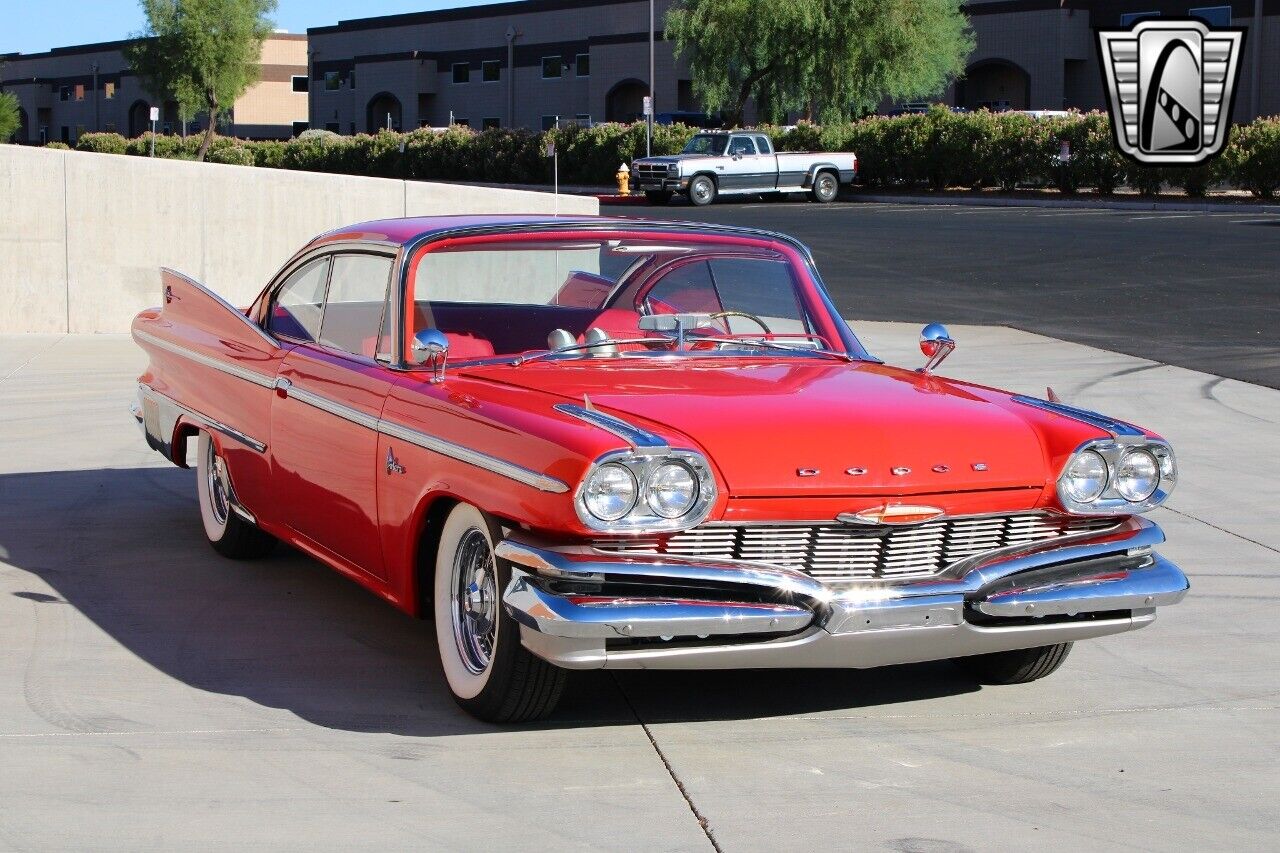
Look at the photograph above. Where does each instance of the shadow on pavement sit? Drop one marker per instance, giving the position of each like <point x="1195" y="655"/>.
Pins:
<point x="125" y="548"/>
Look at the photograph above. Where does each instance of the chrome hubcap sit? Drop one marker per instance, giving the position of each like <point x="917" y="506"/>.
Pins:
<point x="701" y="190"/>
<point x="219" y="487"/>
<point x="475" y="601"/>
<point x="826" y="186"/>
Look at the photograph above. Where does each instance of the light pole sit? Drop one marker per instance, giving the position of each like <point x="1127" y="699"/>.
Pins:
<point x="512" y="33"/>
<point x="97" y="110"/>
<point x="648" y="120"/>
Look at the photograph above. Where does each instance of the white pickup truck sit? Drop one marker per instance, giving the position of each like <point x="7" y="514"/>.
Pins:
<point x="741" y="163"/>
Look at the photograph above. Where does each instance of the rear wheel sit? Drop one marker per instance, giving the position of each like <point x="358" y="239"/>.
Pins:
<point x="230" y="534"/>
<point x="1016" y="667"/>
<point x="702" y="191"/>
<point x="658" y="196"/>
<point x="825" y="187"/>
<point x="490" y="675"/>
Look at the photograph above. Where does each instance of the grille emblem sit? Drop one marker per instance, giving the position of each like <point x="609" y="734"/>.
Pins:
<point x="892" y="514"/>
<point x="979" y="466"/>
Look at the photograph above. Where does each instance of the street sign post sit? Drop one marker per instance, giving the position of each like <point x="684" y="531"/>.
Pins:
<point x="155" y="117"/>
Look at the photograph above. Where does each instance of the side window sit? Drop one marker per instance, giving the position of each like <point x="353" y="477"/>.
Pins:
<point x="355" y="312"/>
<point x="763" y="143"/>
<point x="687" y="289"/>
<point x="762" y="288"/>
<point x="742" y="145"/>
<point x="299" y="302"/>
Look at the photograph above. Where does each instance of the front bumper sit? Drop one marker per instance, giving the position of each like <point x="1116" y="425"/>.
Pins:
<point x="666" y="183"/>
<point x="581" y="608"/>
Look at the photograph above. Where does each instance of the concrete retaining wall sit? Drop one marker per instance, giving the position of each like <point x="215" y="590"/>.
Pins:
<point x="82" y="236"/>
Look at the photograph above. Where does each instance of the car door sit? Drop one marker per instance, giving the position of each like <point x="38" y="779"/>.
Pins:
<point x="329" y="395"/>
<point x="742" y="168"/>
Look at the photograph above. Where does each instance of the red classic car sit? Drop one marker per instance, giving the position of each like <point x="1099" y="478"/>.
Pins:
<point x="585" y="442"/>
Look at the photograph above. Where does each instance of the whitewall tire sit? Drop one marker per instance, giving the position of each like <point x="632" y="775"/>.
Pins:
<point x="490" y="674"/>
<point x="230" y="534"/>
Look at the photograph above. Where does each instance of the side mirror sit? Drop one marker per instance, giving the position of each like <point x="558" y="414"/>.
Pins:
<point x="936" y="344"/>
<point x="431" y="347"/>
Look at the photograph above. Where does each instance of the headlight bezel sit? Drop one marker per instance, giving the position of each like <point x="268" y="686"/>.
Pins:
<point x="641" y="517"/>
<point x="1113" y="452"/>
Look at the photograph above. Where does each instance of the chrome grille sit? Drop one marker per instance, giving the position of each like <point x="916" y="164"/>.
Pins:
<point x="650" y="170"/>
<point x="839" y="552"/>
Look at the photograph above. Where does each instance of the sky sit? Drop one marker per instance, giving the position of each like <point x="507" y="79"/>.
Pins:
<point x="33" y="26"/>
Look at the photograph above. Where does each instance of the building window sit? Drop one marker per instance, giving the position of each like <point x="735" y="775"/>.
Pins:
<point x="332" y="81"/>
<point x="583" y="65"/>
<point x="1216" y="16"/>
<point x="491" y="71"/>
<point x="64" y="93"/>
<point x="66" y="134"/>
<point x="299" y="127"/>
<point x="462" y="122"/>
<point x="1133" y="17"/>
<point x="111" y="127"/>
<point x="462" y="72"/>
<point x="79" y="91"/>
<point x="108" y="90"/>
<point x="549" y="122"/>
<point x="490" y="124"/>
<point x="333" y="127"/>
<point x="301" y="83"/>
<point x="551" y="68"/>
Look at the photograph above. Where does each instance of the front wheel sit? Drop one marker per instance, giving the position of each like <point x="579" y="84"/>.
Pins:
<point x="702" y="191"/>
<point x="825" y="188"/>
<point x="491" y="676"/>
<point x="229" y="533"/>
<point x="1016" y="667"/>
<point x="658" y="196"/>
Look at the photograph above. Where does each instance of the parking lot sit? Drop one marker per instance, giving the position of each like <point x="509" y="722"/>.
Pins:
<point x="154" y="696"/>
<point x="1199" y="290"/>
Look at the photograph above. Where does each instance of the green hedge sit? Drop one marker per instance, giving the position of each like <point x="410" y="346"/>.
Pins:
<point x="937" y="150"/>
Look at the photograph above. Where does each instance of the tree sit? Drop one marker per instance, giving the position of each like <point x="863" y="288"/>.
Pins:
<point x="828" y="58"/>
<point x="202" y="53"/>
<point x="8" y="115"/>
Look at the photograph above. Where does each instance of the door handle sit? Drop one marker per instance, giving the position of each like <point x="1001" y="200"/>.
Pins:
<point x="283" y="386"/>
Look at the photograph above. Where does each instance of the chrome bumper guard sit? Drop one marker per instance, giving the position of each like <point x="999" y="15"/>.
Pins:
<point x="574" y="604"/>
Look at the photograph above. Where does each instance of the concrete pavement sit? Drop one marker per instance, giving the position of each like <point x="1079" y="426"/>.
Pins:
<point x="154" y="696"/>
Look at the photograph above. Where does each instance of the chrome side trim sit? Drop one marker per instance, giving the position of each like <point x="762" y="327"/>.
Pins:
<point x="1119" y="430"/>
<point x="208" y="361"/>
<point x="633" y="435"/>
<point x="324" y="404"/>
<point x="501" y="467"/>
<point x="208" y="422"/>
<point x="620" y="616"/>
<point x="422" y="439"/>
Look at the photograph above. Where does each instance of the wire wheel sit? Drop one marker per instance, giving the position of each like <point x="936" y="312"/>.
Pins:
<point x="475" y="601"/>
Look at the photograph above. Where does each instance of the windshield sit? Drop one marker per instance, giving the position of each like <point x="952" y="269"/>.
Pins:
<point x="506" y="298"/>
<point x="706" y="143"/>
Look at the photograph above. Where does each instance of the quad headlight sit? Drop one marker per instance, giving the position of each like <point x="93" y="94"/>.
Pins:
<point x="1110" y="478"/>
<point x="629" y="491"/>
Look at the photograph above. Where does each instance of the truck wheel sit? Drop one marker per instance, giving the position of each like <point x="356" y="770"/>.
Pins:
<point x="491" y="676"/>
<point x="702" y="191"/>
<point x="230" y="534"/>
<point x="825" y="188"/>
<point x="1016" y="667"/>
<point x="658" y="196"/>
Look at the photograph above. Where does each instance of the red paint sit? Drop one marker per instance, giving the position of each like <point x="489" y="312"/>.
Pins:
<point x="322" y="484"/>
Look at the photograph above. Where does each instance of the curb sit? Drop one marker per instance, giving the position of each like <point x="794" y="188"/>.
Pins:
<point x="1094" y="203"/>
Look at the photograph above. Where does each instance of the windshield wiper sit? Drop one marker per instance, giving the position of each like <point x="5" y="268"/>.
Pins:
<point x="843" y="356"/>
<point x="538" y="356"/>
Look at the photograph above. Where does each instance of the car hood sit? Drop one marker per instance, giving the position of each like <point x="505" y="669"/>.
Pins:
<point x="670" y="158"/>
<point x="811" y="427"/>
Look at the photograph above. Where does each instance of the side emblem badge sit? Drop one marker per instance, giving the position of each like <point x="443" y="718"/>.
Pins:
<point x="393" y="464"/>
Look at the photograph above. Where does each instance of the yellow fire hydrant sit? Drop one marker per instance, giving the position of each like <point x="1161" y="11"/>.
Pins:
<point x="624" y="180"/>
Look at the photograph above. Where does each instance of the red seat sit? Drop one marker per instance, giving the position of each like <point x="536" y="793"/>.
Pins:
<point x="463" y="346"/>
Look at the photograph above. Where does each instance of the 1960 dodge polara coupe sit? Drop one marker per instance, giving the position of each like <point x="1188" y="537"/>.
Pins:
<point x="591" y="442"/>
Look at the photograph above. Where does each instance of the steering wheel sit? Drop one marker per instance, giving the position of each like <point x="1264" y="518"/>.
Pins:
<point x="720" y="315"/>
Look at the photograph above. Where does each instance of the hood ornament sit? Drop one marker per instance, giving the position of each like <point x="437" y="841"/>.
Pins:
<point x="892" y="514"/>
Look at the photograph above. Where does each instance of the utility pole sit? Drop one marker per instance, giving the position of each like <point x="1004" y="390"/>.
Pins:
<point x="1255" y="83"/>
<point x="648" y="120"/>
<point x="97" y="108"/>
